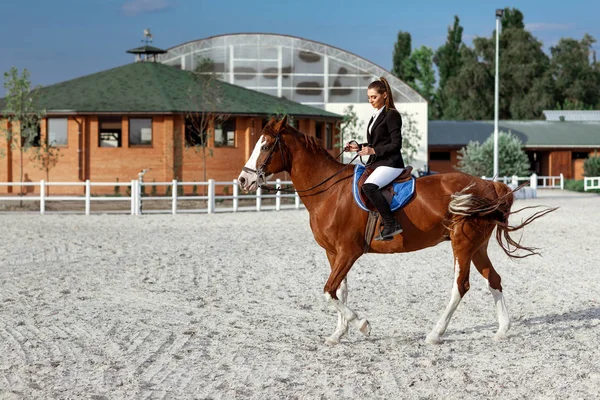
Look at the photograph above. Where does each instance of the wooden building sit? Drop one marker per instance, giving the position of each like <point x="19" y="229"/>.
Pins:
<point x="553" y="147"/>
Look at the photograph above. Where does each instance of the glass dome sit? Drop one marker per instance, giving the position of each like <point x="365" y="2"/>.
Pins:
<point x="301" y="70"/>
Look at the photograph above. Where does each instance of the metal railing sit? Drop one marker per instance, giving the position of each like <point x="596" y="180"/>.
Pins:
<point x="136" y="197"/>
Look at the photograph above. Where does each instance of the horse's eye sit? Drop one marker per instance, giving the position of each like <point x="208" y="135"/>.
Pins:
<point x="264" y="148"/>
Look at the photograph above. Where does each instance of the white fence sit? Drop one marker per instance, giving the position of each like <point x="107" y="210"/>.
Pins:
<point x="535" y="181"/>
<point x="590" y="183"/>
<point x="136" y="197"/>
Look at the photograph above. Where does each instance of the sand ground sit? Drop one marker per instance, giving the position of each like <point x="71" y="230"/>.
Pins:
<point x="230" y="306"/>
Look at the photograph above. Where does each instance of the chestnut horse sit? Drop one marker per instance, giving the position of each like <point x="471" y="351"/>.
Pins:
<point x="454" y="206"/>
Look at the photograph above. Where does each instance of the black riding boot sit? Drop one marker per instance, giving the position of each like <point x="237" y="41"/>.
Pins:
<point x="391" y="225"/>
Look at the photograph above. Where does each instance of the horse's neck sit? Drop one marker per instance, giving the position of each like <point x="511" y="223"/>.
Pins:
<point x="310" y="169"/>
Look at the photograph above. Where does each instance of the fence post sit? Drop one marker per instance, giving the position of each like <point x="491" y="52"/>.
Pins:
<point x="562" y="181"/>
<point x="258" y="198"/>
<point x="87" y="196"/>
<point x="132" y="195"/>
<point x="533" y="181"/>
<point x="278" y="195"/>
<point x="42" y="197"/>
<point x="236" y="191"/>
<point x="211" y="196"/>
<point x="483" y="177"/>
<point x="297" y="200"/>
<point x="515" y="180"/>
<point x="174" y="197"/>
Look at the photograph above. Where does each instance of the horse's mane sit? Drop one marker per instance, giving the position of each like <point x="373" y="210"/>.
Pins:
<point x="311" y="143"/>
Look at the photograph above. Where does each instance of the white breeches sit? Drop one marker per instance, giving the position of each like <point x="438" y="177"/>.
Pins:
<point x="384" y="175"/>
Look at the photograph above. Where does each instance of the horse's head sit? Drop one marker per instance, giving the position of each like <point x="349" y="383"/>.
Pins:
<point x="267" y="158"/>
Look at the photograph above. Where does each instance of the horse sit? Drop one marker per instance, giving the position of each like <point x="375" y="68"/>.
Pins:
<point x="455" y="207"/>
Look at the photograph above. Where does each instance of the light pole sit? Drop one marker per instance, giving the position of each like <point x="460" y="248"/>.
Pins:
<point x="499" y="13"/>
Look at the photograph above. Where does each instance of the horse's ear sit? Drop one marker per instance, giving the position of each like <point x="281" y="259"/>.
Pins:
<point x="281" y="124"/>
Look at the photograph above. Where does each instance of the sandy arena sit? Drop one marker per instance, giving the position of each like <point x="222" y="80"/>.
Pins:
<point x="230" y="306"/>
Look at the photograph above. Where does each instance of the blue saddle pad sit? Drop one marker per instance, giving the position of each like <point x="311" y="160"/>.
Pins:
<point x="402" y="191"/>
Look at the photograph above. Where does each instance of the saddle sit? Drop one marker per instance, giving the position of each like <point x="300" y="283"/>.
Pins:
<point x="388" y="190"/>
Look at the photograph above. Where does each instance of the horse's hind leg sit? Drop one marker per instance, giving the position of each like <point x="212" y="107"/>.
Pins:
<point x="459" y="288"/>
<point x="484" y="266"/>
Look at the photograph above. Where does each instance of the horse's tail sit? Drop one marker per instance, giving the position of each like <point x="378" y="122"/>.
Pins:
<point x="494" y="209"/>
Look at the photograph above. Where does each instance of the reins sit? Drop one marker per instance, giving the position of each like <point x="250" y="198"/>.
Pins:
<point x="279" y="189"/>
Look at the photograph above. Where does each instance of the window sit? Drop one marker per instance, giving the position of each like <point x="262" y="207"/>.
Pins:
<point x="109" y="132"/>
<point x="140" y="131"/>
<point x="193" y="136"/>
<point x="439" y="156"/>
<point x="225" y="133"/>
<point x="328" y="136"/>
<point x="578" y="155"/>
<point x="57" y="131"/>
<point x="35" y="139"/>
<point x="319" y="130"/>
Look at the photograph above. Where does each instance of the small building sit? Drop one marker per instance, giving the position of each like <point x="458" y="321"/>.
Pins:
<point x="112" y="124"/>
<point x="553" y="147"/>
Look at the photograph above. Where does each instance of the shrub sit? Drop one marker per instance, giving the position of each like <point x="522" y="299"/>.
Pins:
<point x="591" y="166"/>
<point x="478" y="159"/>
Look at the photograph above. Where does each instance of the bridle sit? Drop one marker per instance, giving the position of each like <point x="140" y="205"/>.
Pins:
<point x="260" y="172"/>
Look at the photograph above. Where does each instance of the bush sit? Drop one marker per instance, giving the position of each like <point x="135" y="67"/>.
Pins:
<point x="478" y="159"/>
<point x="577" y="186"/>
<point x="591" y="166"/>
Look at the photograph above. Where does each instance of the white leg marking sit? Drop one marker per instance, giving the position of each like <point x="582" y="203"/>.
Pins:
<point x="361" y="324"/>
<point x="442" y="324"/>
<point x="503" y="318"/>
<point x="342" y="324"/>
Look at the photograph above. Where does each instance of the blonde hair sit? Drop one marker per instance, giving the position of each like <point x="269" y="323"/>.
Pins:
<point x="382" y="86"/>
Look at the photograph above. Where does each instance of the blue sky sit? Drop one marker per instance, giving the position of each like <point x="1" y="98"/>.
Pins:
<point x="64" y="39"/>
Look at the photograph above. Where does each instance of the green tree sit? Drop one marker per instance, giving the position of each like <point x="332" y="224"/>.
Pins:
<point x="577" y="77"/>
<point x="45" y="157"/>
<point x="522" y="63"/>
<point x="448" y="59"/>
<point x="349" y="127"/>
<point x="403" y="66"/>
<point x="478" y="159"/>
<point x="424" y="75"/>
<point x="591" y="166"/>
<point x="21" y="113"/>
<point x="411" y="137"/>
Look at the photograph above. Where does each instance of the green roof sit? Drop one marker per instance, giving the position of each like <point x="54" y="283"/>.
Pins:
<point x="532" y="133"/>
<point x="150" y="87"/>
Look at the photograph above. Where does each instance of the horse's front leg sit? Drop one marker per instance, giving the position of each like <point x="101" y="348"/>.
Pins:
<point x="342" y="324"/>
<point x="335" y="287"/>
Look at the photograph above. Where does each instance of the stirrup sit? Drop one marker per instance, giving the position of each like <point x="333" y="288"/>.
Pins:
<point x="398" y="229"/>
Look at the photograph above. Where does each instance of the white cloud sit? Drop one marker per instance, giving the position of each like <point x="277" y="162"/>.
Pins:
<point x="546" y="26"/>
<point x="135" y="7"/>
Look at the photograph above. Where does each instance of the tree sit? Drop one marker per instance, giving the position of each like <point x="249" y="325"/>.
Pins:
<point x="349" y="127"/>
<point x="591" y="166"/>
<point x="424" y="76"/>
<point x="522" y="63"/>
<point x="447" y="58"/>
<point x="577" y="77"/>
<point x="206" y="99"/>
<point x="402" y="65"/>
<point x="45" y="157"/>
<point x="23" y="117"/>
<point x="411" y="137"/>
<point x="478" y="159"/>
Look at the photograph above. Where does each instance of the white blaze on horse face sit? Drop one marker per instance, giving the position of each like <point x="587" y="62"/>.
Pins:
<point x="248" y="180"/>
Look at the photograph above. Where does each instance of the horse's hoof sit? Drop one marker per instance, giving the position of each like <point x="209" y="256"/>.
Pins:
<point x="499" y="336"/>
<point x="433" y="338"/>
<point x="332" y="340"/>
<point x="364" y="327"/>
